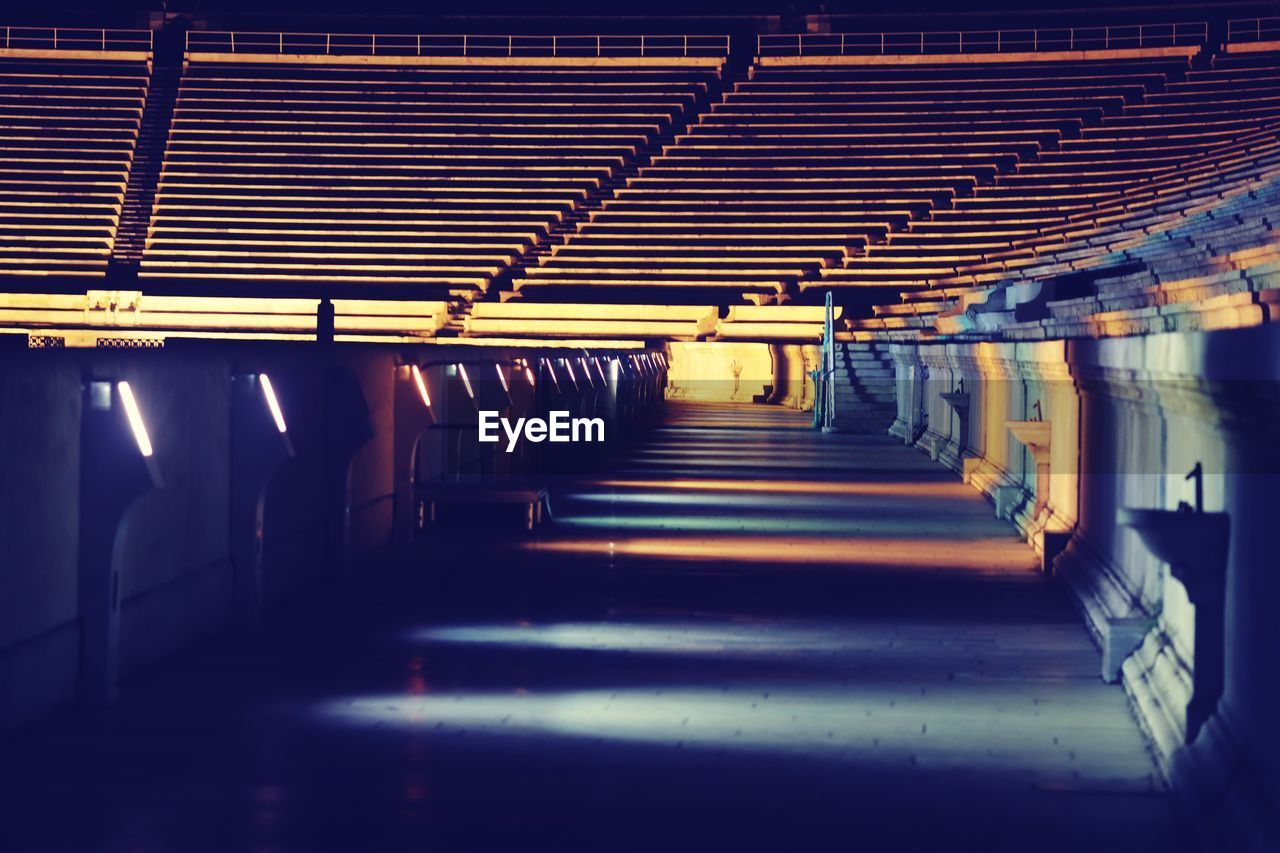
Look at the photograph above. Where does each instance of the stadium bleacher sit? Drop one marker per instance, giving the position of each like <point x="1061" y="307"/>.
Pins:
<point x="801" y="165"/>
<point x="1199" y="139"/>
<point x="433" y="175"/>
<point x="68" y="127"/>
<point x="641" y="197"/>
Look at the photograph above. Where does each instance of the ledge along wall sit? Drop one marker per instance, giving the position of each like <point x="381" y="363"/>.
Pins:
<point x="1130" y="418"/>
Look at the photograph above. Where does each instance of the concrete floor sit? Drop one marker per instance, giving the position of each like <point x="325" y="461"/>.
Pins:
<point x="747" y="634"/>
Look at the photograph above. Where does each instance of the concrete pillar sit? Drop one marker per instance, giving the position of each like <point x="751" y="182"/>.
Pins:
<point x="117" y="467"/>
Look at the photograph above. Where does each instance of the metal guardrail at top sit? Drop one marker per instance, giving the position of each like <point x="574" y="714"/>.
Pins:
<point x="368" y="44"/>
<point x="1253" y="29"/>
<point x="983" y="41"/>
<point x="70" y="38"/>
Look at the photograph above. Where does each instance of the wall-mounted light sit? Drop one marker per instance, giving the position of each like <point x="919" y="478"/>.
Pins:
<point x="419" y="381"/>
<point x="466" y="380"/>
<point x="502" y="378"/>
<point x="596" y="361"/>
<point x="135" y="418"/>
<point x="569" y="369"/>
<point x="551" y="371"/>
<point x="272" y="403"/>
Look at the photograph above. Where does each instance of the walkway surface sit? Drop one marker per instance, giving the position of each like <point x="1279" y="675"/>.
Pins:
<point x="746" y="635"/>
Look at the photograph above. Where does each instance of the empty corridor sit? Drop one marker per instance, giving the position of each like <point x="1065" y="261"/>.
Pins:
<point x="746" y="633"/>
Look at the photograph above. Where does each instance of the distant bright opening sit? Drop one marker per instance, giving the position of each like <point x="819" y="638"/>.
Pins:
<point x="135" y="418"/>
<point x="272" y="403"/>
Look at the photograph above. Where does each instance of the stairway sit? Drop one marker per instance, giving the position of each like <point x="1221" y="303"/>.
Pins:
<point x="736" y="68"/>
<point x="148" y="156"/>
<point x="866" y="393"/>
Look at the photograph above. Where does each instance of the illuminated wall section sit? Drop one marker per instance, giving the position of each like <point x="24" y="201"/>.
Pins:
<point x="724" y="372"/>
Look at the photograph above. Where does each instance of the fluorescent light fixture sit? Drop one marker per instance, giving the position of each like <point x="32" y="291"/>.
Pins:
<point x="596" y="361"/>
<point x="422" y="385"/>
<point x="528" y="374"/>
<point x="135" y="418"/>
<point x="569" y="367"/>
<point x="551" y="371"/>
<point x="272" y="403"/>
<point x="502" y="378"/>
<point x="466" y="380"/>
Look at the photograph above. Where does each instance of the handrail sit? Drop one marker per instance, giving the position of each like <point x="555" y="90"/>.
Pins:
<point x="76" y="38"/>
<point x="983" y="41"/>
<point x="1253" y="29"/>
<point x="382" y="44"/>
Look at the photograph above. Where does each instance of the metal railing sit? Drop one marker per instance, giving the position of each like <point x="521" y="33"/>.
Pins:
<point x="372" y="44"/>
<point x="1253" y="29"/>
<point x="73" y="38"/>
<point x="984" y="41"/>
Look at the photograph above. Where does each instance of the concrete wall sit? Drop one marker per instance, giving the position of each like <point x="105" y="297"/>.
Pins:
<point x="1130" y="417"/>
<point x="176" y="576"/>
<point x="324" y="509"/>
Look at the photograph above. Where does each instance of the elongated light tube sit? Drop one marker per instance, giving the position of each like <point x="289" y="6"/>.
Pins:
<point x="135" y="418"/>
<point x="272" y="403"/>
<point x="422" y="386"/>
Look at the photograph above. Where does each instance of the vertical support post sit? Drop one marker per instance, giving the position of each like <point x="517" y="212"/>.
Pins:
<point x="325" y="321"/>
<point x="258" y="448"/>
<point x="412" y="417"/>
<point x="116" y="469"/>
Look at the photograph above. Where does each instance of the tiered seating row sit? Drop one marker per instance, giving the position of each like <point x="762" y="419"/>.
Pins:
<point x="673" y="322"/>
<point x="1066" y="195"/>
<point x="67" y="133"/>
<point x="433" y="175"/>
<point x="111" y="312"/>
<point x="800" y="167"/>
